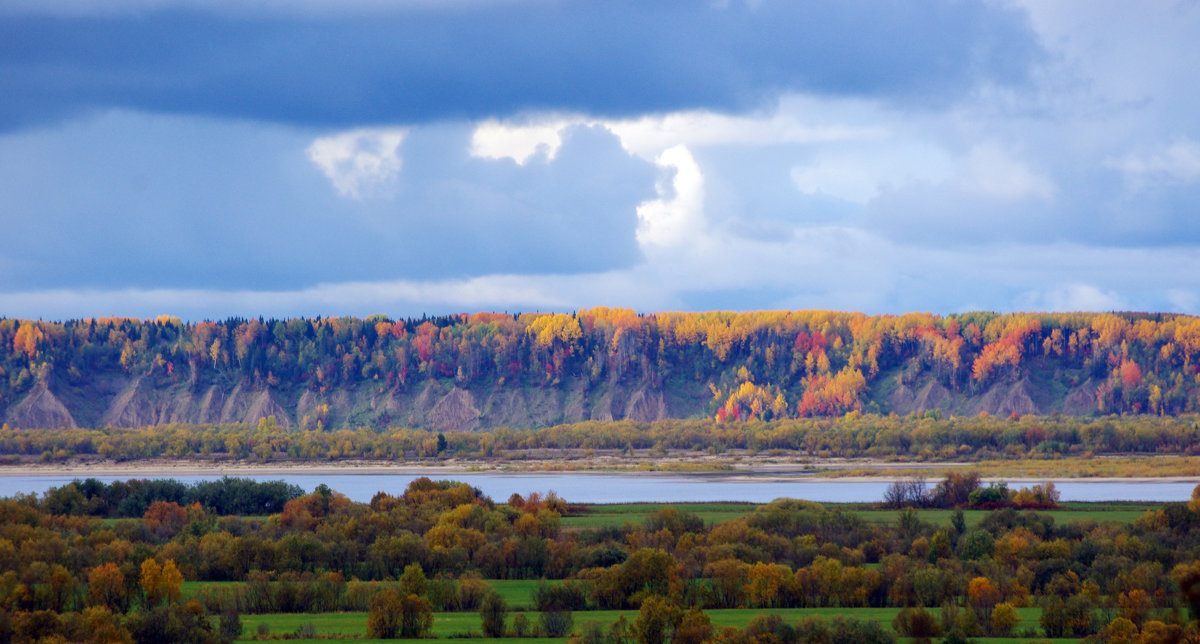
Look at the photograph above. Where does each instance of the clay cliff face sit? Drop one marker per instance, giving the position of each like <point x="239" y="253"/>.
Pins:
<point x="432" y="405"/>
<point x="1022" y="398"/>
<point x="40" y="409"/>
<point x="439" y="405"/>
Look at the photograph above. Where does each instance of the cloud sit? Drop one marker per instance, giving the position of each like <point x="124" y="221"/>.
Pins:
<point x="103" y="203"/>
<point x="678" y="212"/>
<point x="316" y="8"/>
<point x="829" y="267"/>
<point x="494" y="139"/>
<point x="858" y="174"/>
<point x="1181" y="299"/>
<point x="990" y="196"/>
<point x="401" y="297"/>
<point x="992" y="172"/>
<point x="422" y="62"/>
<point x="359" y="161"/>
<point x="1176" y="163"/>
<point x="1074" y="297"/>
<point x="419" y="156"/>
<point x="794" y="120"/>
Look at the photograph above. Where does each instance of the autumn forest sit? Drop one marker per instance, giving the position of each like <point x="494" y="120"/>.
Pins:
<point x="489" y="370"/>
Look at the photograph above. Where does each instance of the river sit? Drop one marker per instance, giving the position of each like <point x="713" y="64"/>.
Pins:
<point x="579" y="487"/>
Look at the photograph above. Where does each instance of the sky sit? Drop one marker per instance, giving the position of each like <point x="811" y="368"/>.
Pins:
<point x="216" y="158"/>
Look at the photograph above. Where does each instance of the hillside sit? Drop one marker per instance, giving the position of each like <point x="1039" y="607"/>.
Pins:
<point x="470" y="372"/>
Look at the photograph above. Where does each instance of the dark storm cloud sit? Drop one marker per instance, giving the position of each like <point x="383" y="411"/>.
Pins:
<point x="104" y="204"/>
<point x="445" y="61"/>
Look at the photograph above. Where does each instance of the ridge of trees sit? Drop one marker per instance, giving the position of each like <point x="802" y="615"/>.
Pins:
<point x="759" y="365"/>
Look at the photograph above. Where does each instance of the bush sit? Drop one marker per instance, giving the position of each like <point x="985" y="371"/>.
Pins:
<point x="383" y="618"/>
<point x="173" y="623"/>
<point x="656" y="619"/>
<point x="231" y="623"/>
<point x="442" y="594"/>
<point x="393" y="615"/>
<point x="493" y="613"/>
<point x="845" y="630"/>
<point x="413" y="580"/>
<point x="1004" y="620"/>
<point x="520" y="625"/>
<point x="694" y="627"/>
<point x="955" y="489"/>
<point x="471" y="591"/>
<point x="917" y="623"/>
<point x="994" y="495"/>
<point x="561" y="596"/>
<point x="771" y="628"/>
<point x="590" y="633"/>
<point x="556" y="623"/>
<point x="907" y="493"/>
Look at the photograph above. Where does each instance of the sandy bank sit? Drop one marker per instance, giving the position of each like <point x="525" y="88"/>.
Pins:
<point x="760" y="472"/>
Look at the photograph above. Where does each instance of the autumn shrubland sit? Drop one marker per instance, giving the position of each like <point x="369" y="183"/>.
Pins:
<point x="436" y="558"/>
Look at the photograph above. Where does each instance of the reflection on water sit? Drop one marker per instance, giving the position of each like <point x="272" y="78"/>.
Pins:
<point x="629" y="488"/>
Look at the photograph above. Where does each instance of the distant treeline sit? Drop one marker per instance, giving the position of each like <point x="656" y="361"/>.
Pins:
<point x="926" y="437"/>
<point x="227" y="496"/>
<point x="759" y="365"/>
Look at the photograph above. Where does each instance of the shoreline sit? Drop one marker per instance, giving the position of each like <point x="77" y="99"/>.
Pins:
<point x="829" y="472"/>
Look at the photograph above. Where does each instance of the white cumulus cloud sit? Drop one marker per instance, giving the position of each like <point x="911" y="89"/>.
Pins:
<point x="494" y="139"/>
<point x="361" y="162"/>
<point x="668" y="220"/>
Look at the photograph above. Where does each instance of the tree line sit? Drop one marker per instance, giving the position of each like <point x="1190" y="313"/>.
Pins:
<point x="759" y="365"/>
<point x="919" y="437"/>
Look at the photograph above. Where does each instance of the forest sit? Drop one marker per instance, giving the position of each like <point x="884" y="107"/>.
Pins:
<point x="161" y="561"/>
<point x="524" y="371"/>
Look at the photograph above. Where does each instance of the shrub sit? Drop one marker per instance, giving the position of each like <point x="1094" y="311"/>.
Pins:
<point x="393" y="615"/>
<point x="1004" y="620"/>
<point x="917" y="623"/>
<point x="230" y="625"/>
<point x="493" y="613"/>
<point x="520" y="625"/>
<point x="907" y="493"/>
<point x="561" y="596"/>
<point x="556" y="623"/>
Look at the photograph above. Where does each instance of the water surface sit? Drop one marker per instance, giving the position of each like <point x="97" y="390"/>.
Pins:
<point x="632" y="487"/>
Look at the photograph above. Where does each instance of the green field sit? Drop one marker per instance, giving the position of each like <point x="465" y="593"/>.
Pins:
<point x="449" y="625"/>
<point x="517" y="592"/>
<point x="617" y="515"/>
<point x="1098" y="512"/>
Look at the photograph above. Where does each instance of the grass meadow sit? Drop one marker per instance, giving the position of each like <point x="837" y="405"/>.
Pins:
<point x="617" y="515"/>
<point x="461" y="625"/>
